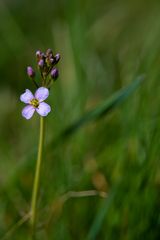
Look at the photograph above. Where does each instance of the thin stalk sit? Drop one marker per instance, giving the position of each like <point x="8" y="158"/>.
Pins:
<point x="10" y="232"/>
<point x="37" y="178"/>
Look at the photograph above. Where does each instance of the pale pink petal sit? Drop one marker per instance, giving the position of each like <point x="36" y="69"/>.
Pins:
<point x="41" y="94"/>
<point x="43" y="109"/>
<point x="27" y="96"/>
<point x="28" y="111"/>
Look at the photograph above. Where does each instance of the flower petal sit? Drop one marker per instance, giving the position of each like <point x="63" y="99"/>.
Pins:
<point x="27" y="96"/>
<point x="41" y="94"/>
<point x="28" y="111"/>
<point x="43" y="109"/>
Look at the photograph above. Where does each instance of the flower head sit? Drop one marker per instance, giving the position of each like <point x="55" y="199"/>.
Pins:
<point x="35" y="102"/>
<point x="46" y="62"/>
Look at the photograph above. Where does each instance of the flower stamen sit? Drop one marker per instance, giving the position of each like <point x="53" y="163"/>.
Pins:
<point x="34" y="102"/>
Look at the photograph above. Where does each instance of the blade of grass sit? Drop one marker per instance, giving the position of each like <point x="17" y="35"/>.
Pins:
<point x="103" y="109"/>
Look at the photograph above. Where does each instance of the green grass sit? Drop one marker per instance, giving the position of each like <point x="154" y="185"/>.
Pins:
<point x="98" y="136"/>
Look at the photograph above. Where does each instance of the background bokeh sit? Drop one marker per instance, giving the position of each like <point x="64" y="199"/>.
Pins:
<point x="104" y="46"/>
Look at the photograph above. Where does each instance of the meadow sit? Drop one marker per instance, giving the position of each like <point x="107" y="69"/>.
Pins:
<point x="100" y="177"/>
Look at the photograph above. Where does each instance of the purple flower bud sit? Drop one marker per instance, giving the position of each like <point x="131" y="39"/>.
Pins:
<point x="41" y="63"/>
<point x="43" y="56"/>
<point x="54" y="73"/>
<point x="52" y="60"/>
<point x="57" y="57"/>
<point x="38" y="54"/>
<point x="30" y="72"/>
<point x="49" y="52"/>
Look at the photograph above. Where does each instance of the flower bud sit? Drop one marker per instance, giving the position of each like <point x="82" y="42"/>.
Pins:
<point x="49" y="52"/>
<point x="54" y="73"/>
<point x="57" y="57"/>
<point x="30" y="72"/>
<point x="52" y="60"/>
<point x="41" y="63"/>
<point x="38" y="54"/>
<point x="43" y="56"/>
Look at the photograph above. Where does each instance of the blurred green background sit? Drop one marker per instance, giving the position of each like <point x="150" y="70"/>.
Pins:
<point x="104" y="46"/>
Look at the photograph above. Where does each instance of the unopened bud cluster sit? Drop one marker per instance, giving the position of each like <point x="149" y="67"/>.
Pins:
<point x="46" y="63"/>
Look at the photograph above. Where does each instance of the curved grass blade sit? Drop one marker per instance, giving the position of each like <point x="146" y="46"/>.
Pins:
<point x="104" y="108"/>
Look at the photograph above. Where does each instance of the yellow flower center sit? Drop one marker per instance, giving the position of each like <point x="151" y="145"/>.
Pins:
<point x="34" y="102"/>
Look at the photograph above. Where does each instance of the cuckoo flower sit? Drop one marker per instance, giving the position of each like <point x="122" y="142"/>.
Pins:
<point x="35" y="102"/>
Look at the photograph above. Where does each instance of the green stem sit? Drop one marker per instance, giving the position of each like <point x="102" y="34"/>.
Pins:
<point x="37" y="179"/>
